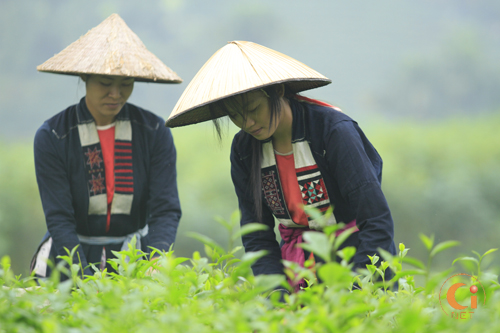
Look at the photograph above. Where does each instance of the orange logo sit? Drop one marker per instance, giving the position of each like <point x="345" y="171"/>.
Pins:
<point x="460" y="310"/>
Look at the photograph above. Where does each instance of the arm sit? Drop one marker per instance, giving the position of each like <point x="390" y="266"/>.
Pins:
<point x="356" y="166"/>
<point x="55" y="194"/>
<point x="163" y="202"/>
<point x="261" y="240"/>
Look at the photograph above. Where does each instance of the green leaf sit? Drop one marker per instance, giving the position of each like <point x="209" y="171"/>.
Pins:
<point x="371" y="268"/>
<point x="386" y="255"/>
<point x="428" y="242"/>
<point x="443" y="246"/>
<point x="410" y="272"/>
<point x="374" y="259"/>
<point x="335" y="275"/>
<point x="414" y="262"/>
<point x="488" y="252"/>
<point x="401" y="247"/>
<point x="207" y="241"/>
<point x="317" y="243"/>
<point x="248" y="229"/>
<point x="347" y="253"/>
<point x="314" y="213"/>
<point x="235" y="218"/>
<point x="342" y="237"/>
<point x="465" y="259"/>
<point x="268" y="281"/>
<point x="223" y="222"/>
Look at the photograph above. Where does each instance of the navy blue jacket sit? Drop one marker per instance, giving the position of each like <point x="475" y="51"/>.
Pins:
<point x="351" y="169"/>
<point x="60" y="172"/>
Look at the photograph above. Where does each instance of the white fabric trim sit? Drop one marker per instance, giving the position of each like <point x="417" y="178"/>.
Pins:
<point x="42" y="257"/>
<point x="309" y="176"/>
<point x="123" y="130"/>
<point x="302" y="154"/>
<point x="98" y="204"/>
<point x="88" y="134"/>
<point x="122" y="203"/>
<point x="268" y="158"/>
<point x="105" y="127"/>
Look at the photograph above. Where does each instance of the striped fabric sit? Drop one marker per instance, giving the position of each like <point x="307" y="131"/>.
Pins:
<point x="124" y="179"/>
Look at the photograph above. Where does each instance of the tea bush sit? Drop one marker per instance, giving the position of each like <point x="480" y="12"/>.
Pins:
<point x="218" y="293"/>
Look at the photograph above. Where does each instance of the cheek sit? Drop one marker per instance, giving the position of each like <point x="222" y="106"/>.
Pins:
<point x="236" y="122"/>
<point x="127" y="92"/>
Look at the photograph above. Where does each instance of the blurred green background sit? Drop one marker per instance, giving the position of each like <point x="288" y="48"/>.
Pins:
<point x="422" y="78"/>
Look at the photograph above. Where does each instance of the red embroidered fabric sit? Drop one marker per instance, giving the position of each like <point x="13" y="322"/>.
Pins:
<point x="107" y="138"/>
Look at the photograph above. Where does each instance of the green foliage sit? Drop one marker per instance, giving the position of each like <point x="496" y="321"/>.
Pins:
<point x="200" y="294"/>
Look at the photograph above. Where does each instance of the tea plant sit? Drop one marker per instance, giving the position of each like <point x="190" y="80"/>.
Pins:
<point x="218" y="292"/>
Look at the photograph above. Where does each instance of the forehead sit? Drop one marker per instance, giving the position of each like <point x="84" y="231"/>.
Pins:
<point x="244" y="102"/>
<point x="117" y="79"/>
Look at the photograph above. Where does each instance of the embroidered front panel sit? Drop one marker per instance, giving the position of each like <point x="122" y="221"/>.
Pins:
<point x="271" y="188"/>
<point x="94" y="166"/>
<point x="313" y="188"/>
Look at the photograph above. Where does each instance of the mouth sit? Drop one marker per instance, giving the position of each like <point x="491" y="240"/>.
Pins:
<point x="112" y="105"/>
<point x="256" y="132"/>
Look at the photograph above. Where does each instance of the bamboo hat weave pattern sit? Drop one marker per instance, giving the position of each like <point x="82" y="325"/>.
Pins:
<point x="236" y="68"/>
<point x="111" y="48"/>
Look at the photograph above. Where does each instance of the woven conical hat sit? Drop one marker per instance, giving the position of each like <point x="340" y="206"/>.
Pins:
<point x="236" y="68"/>
<point x="110" y="48"/>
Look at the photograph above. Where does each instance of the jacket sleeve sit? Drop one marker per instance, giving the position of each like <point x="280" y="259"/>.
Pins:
<point x="260" y="240"/>
<point x="55" y="194"/>
<point x="163" y="203"/>
<point x="357" y="168"/>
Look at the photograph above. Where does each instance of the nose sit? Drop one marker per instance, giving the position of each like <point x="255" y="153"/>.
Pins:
<point x="249" y="122"/>
<point x="114" y="91"/>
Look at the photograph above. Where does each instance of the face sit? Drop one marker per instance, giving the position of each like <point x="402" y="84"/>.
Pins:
<point x="106" y="95"/>
<point x="258" y="115"/>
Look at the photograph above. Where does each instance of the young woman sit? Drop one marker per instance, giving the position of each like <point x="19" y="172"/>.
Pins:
<point x="291" y="152"/>
<point x="106" y="168"/>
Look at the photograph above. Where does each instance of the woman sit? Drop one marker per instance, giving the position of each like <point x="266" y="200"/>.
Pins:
<point x="291" y="152"/>
<point x="106" y="168"/>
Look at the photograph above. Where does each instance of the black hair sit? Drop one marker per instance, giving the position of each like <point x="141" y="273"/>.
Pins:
<point x="238" y="104"/>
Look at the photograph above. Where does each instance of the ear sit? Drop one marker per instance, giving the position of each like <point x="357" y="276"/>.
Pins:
<point x="280" y="89"/>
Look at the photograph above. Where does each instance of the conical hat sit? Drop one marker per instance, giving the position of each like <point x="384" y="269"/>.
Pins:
<point x="110" y="48"/>
<point x="236" y="68"/>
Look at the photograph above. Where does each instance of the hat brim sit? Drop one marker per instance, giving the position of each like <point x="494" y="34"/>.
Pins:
<point x="136" y="78"/>
<point x="202" y="112"/>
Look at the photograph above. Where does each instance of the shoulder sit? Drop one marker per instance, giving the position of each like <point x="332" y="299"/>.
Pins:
<point x="322" y="121"/>
<point x="324" y="115"/>
<point x="59" y="125"/>
<point x="241" y="145"/>
<point x="146" y="122"/>
<point x="143" y="117"/>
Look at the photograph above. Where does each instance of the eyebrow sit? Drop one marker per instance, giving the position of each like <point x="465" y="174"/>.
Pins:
<point x="253" y="105"/>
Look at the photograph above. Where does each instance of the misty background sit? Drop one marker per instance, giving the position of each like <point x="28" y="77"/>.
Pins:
<point x="422" y="78"/>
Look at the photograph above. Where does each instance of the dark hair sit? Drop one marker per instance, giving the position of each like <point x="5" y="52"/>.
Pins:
<point x="238" y="103"/>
